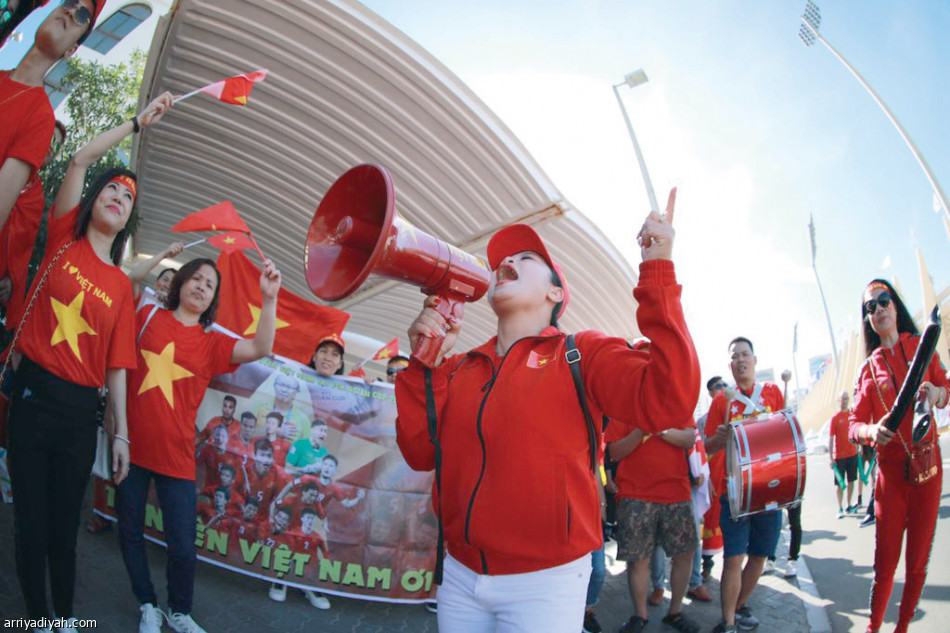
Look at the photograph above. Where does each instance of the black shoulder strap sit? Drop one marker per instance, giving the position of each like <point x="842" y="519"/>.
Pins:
<point x="573" y="356"/>
<point x="434" y="438"/>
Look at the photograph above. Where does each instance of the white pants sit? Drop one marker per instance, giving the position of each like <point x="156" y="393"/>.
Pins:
<point x="546" y="601"/>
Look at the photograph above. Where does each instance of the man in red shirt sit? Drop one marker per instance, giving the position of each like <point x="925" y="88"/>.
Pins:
<point x="215" y="456"/>
<point x="244" y="445"/>
<point x="18" y="237"/>
<point x="262" y="480"/>
<point x="654" y="508"/>
<point x="226" y="419"/>
<point x="25" y="109"/>
<point x="843" y="455"/>
<point x="756" y="535"/>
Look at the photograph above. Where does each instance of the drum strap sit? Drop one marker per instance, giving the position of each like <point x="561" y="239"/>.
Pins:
<point x="748" y="401"/>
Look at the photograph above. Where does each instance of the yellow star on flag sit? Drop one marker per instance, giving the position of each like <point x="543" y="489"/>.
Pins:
<point x="69" y="323"/>
<point x="162" y="372"/>
<point x="255" y="319"/>
<point x="229" y="240"/>
<point x="384" y="353"/>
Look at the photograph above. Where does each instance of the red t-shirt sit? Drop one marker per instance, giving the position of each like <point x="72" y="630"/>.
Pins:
<point x="233" y="426"/>
<point x="769" y="400"/>
<point x="237" y="528"/>
<point x="263" y="489"/>
<point x="83" y="320"/>
<point x="175" y="366"/>
<point x="838" y="429"/>
<point x="326" y="493"/>
<point x="16" y="245"/>
<point x="25" y="134"/>
<point x="210" y="459"/>
<point x="309" y="544"/>
<point x="656" y="471"/>
<point x="28" y="122"/>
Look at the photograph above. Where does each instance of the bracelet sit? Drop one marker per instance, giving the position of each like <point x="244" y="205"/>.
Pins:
<point x="135" y="125"/>
<point x="124" y="439"/>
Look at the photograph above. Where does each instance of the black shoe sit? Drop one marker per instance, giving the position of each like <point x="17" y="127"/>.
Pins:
<point x="680" y="623"/>
<point x="722" y="627"/>
<point x="635" y="624"/>
<point x="591" y="625"/>
<point x="868" y="520"/>
<point x="745" y="621"/>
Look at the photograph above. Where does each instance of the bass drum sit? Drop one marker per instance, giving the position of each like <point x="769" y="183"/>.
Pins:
<point x="765" y="464"/>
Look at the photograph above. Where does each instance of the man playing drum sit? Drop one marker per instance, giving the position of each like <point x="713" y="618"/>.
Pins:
<point x="755" y="535"/>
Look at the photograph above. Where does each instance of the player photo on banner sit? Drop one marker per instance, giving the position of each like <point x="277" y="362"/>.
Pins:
<point x="299" y="479"/>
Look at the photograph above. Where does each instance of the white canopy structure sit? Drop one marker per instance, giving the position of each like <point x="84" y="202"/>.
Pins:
<point x="345" y="87"/>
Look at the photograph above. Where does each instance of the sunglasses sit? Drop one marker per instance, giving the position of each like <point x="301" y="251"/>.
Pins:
<point x="883" y="300"/>
<point x="6" y="13"/>
<point x="81" y="16"/>
<point x="392" y="371"/>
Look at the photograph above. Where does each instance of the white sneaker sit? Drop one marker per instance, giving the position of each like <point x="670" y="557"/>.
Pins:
<point x="318" y="600"/>
<point x="71" y="624"/>
<point x="791" y="570"/>
<point x="151" y="618"/>
<point x="769" y="566"/>
<point x="277" y="593"/>
<point x="183" y="623"/>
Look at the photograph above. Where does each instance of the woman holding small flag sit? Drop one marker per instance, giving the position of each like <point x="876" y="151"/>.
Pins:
<point x="75" y="337"/>
<point x="176" y="360"/>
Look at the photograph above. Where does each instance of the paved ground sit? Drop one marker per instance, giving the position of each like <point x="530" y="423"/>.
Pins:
<point x="838" y="553"/>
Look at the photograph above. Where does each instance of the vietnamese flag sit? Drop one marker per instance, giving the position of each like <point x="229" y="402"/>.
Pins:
<point x="234" y="90"/>
<point x="389" y="350"/>
<point x="219" y="217"/>
<point x="231" y="241"/>
<point x="300" y="323"/>
<point x="359" y="372"/>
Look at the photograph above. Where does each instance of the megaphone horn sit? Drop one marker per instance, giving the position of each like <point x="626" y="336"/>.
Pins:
<point x="356" y="232"/>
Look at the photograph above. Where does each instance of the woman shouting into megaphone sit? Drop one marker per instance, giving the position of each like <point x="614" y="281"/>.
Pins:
<point x="515" y="452"/>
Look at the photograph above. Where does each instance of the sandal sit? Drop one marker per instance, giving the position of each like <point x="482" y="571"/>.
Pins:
<point x="680" y="623"/>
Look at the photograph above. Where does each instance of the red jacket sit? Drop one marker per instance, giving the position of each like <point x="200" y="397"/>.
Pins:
<point x="871" y="405"/>
<point x="518" y="494"/>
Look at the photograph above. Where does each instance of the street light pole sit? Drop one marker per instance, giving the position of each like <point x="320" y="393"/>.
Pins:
<point x="811" y="20"/>
<point x="831" y="332"/>
<point x="632" y="80"/>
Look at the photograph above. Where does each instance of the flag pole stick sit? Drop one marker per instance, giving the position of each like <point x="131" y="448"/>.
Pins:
<point x="256" y="247"/>
<point x="195" y="243"/>
<point x="190" y="94"/>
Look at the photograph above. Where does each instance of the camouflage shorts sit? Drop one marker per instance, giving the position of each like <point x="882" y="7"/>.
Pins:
<point x="641" y="525"/>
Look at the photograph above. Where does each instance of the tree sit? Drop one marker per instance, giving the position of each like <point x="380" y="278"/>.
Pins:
<point x="100" y="98"/>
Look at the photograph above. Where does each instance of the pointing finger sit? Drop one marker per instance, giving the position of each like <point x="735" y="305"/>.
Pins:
<point x="669" y="206"/>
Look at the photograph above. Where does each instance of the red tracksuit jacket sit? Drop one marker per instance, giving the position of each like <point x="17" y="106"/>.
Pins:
<point x="518" y="494"/>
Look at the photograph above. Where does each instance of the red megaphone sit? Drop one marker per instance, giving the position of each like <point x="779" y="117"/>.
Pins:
<point x="356" y="232"/>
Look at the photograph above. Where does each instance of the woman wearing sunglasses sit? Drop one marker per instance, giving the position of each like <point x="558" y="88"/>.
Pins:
<point x="76" y="335"/>
<point x="901" y="503"/>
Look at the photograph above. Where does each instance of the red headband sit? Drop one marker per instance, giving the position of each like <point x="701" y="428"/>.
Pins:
<point x="129" y="182"/>
<point x="877" y="285"/>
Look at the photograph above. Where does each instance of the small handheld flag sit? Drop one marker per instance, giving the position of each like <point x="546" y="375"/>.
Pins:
<point x="219" y="217"/>
<point x="234" y="90"/>
<point x="231" y="241"/>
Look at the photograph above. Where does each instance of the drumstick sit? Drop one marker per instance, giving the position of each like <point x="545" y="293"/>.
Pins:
<point x="730" y="396"/>
<point x="786" y="376"/>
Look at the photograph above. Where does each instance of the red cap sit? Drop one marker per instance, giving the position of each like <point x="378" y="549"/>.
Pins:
<point x="332" y="338"/>
<point x="516" y="238"/>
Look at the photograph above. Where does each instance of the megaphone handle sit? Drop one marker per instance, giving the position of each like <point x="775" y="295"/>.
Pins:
<point x="428" y="350"/>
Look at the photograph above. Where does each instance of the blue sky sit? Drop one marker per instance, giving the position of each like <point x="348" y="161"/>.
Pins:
<point x="755" y="129"/>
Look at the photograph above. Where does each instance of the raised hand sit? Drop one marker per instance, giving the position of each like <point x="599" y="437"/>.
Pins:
<point x="270" y="280"/>
<point x="154" y="111"/>
<point x="431" y="323"/>
<point x="656" y="234"/>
